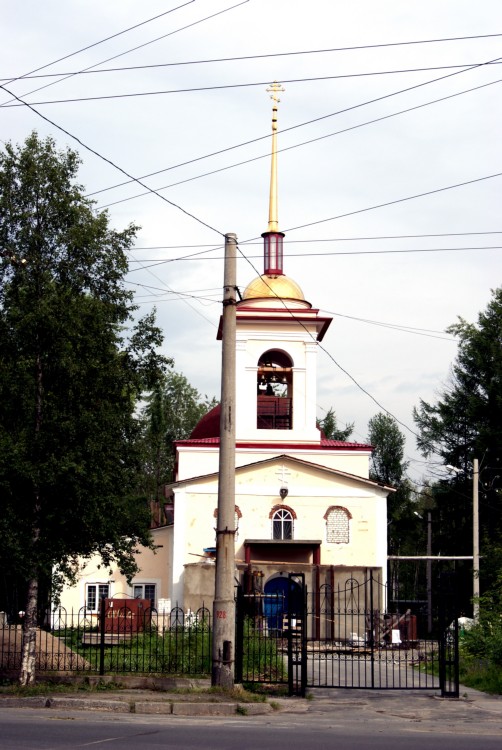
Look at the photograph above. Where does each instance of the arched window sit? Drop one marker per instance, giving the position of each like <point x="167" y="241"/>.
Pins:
<point x="337" y="525"/>
<point x="282" y="524"/>
<point x="275" y="391"/>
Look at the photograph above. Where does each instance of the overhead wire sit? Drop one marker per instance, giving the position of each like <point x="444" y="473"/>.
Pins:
<point x="336" y="253"/>
<point x="89" y="46"/>
<point x="216" y="298"/>
<point x="396" y="201"/>
<point x="238" y="58"/>
<point x="113" y="164"/>
<point x="328" y="239"/>
<point x="150" y="190"/>
<point x="221" y="87"/>
<point x="281" y="150"/>
<point x="133" y="49"/>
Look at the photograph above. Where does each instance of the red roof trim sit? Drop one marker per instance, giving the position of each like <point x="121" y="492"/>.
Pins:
<point x="294" y="314"/>
<point x="322" y="446"/>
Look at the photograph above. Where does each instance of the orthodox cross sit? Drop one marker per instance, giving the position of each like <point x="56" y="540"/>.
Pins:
<point x="275" y="88"/>
<point x="283" y="474"/>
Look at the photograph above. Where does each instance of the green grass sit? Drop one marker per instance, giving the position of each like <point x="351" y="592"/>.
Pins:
<point x="178" y="652"/>
<point x="481" y="675"/>
<point x="263" y="659"/>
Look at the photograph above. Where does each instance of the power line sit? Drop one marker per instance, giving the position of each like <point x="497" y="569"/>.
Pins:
<point x="283" y="149"/>
<point x="133" y="49"/>
<point x="84" y="49"/>
<point x="197" y="256"/>
<point x="396" y="201"/>
<point x="216" y="299"/>
<point x="109" y="161"/>
<point x="221" y="87"/>
<point x="396" y="327"/>
<point x="179" y="295"/>
<point x="231" y="59"/>
<point x="329" y="239"/>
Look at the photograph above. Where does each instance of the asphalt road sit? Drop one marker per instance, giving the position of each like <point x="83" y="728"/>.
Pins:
<point x="23" y="729"/>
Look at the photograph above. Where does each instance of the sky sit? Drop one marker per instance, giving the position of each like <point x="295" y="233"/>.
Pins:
<point x="388" y="108"/>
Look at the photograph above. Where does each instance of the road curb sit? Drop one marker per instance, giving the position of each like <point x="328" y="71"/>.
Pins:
<point x="152" y="707"/>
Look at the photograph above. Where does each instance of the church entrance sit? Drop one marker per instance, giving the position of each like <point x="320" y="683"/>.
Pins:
<point x="282" y="595"/>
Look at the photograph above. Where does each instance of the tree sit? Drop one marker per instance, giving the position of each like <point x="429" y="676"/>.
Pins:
<point x="387" y="461"/>
<point x="70" y="379"/>
<point x="172" y="410"/>
<point x="389" y="467"/>
<point x="466" y="423"/>
<point x="466" y="420"/>
<point x="328" y="425"/>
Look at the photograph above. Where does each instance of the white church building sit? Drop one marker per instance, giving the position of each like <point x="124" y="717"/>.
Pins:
<point x="303" y="503"/>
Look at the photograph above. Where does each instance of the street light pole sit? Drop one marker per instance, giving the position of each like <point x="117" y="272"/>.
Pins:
<point x="429" y="572"/>
<point x="475" y="534"/>
<point x="428" y="568"/>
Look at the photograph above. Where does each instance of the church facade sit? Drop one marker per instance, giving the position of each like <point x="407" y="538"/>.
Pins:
<point x="304" y="504"/>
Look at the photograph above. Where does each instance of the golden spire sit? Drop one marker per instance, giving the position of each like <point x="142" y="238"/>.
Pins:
<point x="273" y="217"/>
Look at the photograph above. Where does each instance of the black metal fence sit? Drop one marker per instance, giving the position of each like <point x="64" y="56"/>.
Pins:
<point x="343" y="637"/>
<point x="354" y="642"/>
<point x="124" y="637"/>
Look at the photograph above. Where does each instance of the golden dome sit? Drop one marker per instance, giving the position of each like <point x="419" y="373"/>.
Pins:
<point x="273" y="286"/>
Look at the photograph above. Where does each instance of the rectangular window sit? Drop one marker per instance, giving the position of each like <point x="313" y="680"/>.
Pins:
<point x="144" y="591"/>
<point x="94" y="593"/>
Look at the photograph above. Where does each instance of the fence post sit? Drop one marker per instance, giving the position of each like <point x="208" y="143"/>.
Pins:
<point x="372" y="632"/>
<point x="448" y="637"/>
<point x="102" y="636"/>
<point x="304" y="674"/>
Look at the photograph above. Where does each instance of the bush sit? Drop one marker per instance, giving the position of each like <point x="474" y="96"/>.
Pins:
<point x="481" y="649"/>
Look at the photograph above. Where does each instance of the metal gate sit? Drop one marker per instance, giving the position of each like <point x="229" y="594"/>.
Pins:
<point x="344" y="637"/>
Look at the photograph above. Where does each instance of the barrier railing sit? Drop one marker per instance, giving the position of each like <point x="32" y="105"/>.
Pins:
<point x="121" y="638"/>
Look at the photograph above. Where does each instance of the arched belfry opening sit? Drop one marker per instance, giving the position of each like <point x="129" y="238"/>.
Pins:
<point x="274" y="391"/>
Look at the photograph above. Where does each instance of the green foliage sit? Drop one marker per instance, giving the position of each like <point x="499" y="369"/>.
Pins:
<point x="389" y="467"/>
<point x="481" y="645"/>
<point x="330" y="428"/>
<point x="70" y="378"/>
<point x="387" y="462"/>
<point x="172" y="410"/>
<point x="466" y="423"/>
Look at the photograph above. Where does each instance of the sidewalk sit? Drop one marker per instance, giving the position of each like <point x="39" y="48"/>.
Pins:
<point x="475" y="711"/>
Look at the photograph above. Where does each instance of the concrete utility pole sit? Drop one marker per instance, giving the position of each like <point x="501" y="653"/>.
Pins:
<point x="224" y="599"/>
<point x="475" y="539"/>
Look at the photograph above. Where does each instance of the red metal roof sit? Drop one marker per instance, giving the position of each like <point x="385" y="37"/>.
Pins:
<point x="207" y="432"/>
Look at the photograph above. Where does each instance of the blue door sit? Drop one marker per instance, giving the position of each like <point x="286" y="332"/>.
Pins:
<point x="281" y="595"/>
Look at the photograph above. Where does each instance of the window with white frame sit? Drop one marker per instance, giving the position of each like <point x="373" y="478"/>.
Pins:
<point x="337" y="525"/>
<point x="282" y="524"/>
<point x="145" y="591"/>
<point x="94" y="592"/>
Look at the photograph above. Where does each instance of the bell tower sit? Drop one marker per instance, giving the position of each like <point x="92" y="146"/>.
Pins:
<point x="276" y="349"/>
